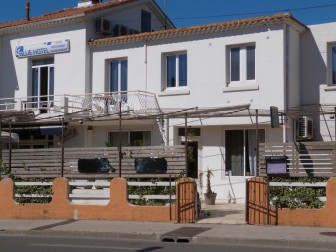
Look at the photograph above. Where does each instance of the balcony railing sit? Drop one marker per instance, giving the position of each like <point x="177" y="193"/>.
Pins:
<point x="95" y="105"/>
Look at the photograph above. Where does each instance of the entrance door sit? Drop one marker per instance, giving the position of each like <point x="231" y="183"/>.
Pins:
<point x="240" y="151"/>
<point x="192" y="159"/>
<point x="43" y="84"/>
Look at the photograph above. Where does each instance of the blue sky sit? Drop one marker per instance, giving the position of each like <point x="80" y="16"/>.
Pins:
<point x="195" y="12"/>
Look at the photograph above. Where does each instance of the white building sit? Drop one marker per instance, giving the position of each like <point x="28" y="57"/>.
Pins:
<point x="65" y="62"/>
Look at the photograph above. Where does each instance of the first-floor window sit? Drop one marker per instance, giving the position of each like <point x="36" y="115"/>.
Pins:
<point x="242" y="63"/>
<point x="334" y="65"/>
<point x="240" y="151"/>
<point x="118" y="75"/>
<point x="130" y="138"/>
<point x="176" y="70"/>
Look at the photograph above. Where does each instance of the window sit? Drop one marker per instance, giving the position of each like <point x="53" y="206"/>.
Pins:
<point x="43" y="83"/>
<point x="240" y="151"/>
<point x="242" y="63"/>
<point x="192" y="132"/>
<point x="333" y="49"/>
<point x="146" y="21"/>
<point x="130" y="138"/>
<point x="118" y="78"/>
<point x="176" y="70"/>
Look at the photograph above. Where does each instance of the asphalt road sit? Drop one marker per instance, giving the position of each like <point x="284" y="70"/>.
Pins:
<point x="15" y="243"/>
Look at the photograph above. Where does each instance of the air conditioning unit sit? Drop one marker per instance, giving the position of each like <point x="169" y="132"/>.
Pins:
<point x="120" y="30"/>
<point x="304" y="128"/>
<point x="103" y="26"/>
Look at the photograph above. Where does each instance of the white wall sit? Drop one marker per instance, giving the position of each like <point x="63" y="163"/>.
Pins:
<point x="69" y="67"/>
<point x="316" y="75"/>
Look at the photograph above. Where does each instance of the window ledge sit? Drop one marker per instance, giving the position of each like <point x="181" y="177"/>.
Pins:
<point x="241" y="87"/>
<point x="175" y="92"/>
<point x="330" y="88"/>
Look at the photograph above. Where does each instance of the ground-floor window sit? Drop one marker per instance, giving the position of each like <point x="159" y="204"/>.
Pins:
<point x="129" y="138"/>
<point x="240" y="151"/>
<point x="35" y="141"/>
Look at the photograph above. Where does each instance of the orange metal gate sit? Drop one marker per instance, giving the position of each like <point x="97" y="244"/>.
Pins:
<point x="258" y="210"/>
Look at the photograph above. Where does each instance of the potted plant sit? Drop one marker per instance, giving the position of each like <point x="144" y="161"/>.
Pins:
<point x="210" y="196"/>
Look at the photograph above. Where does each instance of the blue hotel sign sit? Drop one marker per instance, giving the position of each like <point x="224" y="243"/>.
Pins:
<point x="52" y="47"/>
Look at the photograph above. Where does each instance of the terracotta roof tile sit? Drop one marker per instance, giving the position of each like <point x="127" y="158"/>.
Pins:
<point x="67" y="13"/>
<point x="194" y="29"/>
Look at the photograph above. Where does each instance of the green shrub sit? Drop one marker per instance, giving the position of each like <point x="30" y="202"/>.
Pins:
<point x="294" y="197"/>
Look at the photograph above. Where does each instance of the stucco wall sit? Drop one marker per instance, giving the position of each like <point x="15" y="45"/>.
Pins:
<point x="316" y="84"/>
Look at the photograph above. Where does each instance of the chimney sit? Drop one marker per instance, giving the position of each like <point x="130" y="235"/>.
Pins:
<point x="27" y="10"/>
<point x="87" y="3"/>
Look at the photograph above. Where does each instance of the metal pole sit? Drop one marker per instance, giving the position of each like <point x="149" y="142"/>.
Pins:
<point x="257" y="144"/>
<point x="120" y="152"/>
<point x="186" y="144"/>
<point x="62" y="147"/>
<point x="10" y="147"/>
<point x="170" y="198"/>
<point x="1" y="161"/>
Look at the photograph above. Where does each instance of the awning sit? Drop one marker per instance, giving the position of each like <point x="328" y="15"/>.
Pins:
<point x="6" y="137"/>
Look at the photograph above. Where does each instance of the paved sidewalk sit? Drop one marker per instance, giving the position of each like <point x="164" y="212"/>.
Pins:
<point x="210" y="233"/>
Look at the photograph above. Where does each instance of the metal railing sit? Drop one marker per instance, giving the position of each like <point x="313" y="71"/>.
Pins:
<point x="93" y="104"/>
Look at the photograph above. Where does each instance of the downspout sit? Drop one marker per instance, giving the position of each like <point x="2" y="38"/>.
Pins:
<point x="286" y="80"/>
<point x="145" y="61"/>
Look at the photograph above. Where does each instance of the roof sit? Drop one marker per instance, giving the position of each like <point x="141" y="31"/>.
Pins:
<point x="68" y="13"/>
<point x="216" y="27"/>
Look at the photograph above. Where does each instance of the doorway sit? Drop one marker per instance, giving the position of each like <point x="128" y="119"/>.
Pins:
<point x="192" y="159"/>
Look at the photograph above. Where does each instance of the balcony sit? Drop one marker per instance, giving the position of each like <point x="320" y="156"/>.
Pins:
<point x="98" y="105"/>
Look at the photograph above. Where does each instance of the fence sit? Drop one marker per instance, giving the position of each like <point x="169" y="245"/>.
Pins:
<point x="259" y="211"/>
<point x="47" y="163"/>
<point x="304" y="159"/>
<point x="95" y="192"/>
<point x="117" y="208"/>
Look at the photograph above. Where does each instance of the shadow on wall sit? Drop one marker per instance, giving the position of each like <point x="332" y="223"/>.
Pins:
<point x="313" y="74"/>
<point x="10" y="82"/>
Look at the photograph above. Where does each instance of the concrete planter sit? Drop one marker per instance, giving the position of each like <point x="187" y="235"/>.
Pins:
<point x="210" y="198"/>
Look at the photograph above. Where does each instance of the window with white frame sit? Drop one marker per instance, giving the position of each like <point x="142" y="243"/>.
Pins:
<point x="241" y="62"/>
<point x="176" y="73"/>
<point x="130" y="138"/>
<point x="43" y="83"/>
<point x="118" y="75"/>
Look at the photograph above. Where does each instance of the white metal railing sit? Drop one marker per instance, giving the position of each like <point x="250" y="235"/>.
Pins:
<point x="94" y="104"/>
<point x="90" y="190"/>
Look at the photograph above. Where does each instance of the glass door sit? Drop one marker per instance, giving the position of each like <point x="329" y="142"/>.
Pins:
<point x="43" y="84"/>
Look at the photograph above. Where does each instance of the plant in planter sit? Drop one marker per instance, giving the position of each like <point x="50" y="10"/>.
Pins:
<point x="210" y="196"/>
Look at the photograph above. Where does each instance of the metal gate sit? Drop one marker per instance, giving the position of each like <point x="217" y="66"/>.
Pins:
<point x="258" y="209"/>
<point x="187" y="201"/>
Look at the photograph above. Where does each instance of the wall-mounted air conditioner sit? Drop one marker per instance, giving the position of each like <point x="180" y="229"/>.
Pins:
<point x="103" y="26"/>
<point x="304" y="128"/>
<point x="120" y="30"/>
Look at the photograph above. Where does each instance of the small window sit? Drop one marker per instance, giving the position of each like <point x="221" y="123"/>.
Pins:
<point x="190" y="131"/>
<point x="129" y="138"/>
<point x="146" y="21"/>
<point x="176" y="70"/>
<point x="242" y="63"/>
